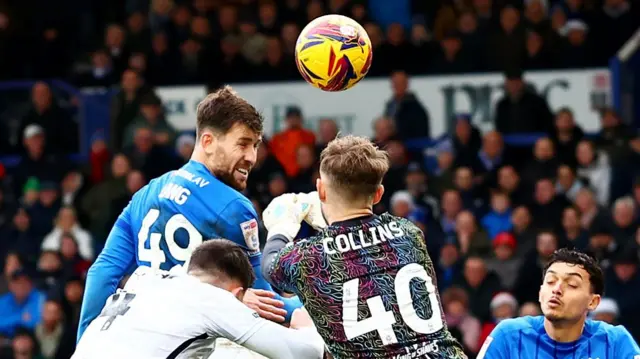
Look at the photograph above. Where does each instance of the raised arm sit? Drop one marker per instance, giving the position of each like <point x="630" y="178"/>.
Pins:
<point x="117" y="257"/>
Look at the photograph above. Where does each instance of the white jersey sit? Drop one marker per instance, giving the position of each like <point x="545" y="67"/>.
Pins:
<point x="173" y="315"/>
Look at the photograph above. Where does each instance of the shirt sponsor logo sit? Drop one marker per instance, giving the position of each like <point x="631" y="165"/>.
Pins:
<point x="418" y="350"/>
<point x="250" y="234"/>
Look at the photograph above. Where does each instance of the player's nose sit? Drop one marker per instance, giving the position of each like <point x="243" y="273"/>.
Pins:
<point x="251" y="156"/>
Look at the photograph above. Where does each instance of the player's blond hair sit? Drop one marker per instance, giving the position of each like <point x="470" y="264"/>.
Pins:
<point x="354" y="166"/>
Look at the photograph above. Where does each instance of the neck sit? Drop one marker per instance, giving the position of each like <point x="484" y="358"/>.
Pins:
<point x="337" y="213"/>
<point x="563" y="331"/>
<point x="200" y="157"/>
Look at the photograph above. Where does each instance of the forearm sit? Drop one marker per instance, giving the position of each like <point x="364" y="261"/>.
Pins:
<point x="102" y="281"/>
<point x="274" y="245"/>
<point x="275" y="341"/>
<point x="290" y="304"/>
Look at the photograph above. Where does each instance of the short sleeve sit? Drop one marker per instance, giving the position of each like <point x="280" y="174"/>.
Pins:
<point x="239" y="224"/>
<point x="284" y="270"/>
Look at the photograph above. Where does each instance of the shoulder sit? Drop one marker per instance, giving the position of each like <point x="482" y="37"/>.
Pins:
<point x="612" y="331"/>
<point x="514" y="325"/>
<point x="406" y="225"/>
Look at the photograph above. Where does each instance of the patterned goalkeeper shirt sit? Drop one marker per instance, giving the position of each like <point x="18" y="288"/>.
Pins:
<point x="369" y="286"/>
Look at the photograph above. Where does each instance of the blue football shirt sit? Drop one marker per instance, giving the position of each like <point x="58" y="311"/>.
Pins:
<point x="526" y="338"/>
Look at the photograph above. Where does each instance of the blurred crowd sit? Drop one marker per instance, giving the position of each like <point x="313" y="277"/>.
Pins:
<point x="91" y="43"/>
<point x="492" y="213"/>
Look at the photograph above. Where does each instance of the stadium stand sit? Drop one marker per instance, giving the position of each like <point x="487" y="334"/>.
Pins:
<point x="90" y="112"/>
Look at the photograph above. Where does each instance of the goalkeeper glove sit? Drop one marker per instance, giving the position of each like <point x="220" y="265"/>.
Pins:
<point x="314" y="218"/>
<point x="284" y="215"/>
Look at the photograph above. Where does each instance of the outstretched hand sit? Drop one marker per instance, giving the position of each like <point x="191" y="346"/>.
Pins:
<point x="265" y="305"/>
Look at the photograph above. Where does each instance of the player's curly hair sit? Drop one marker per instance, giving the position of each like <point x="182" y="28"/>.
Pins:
<point x="584" y="261"/>
<point x="354" y="165"/>
<point x="222" y="109"/>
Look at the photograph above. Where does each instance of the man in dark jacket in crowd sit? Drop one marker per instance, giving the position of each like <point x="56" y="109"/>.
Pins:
<point x="521" y="110"/>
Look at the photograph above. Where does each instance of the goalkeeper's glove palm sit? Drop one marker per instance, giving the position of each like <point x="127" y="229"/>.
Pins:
<point x="284" y="215"/>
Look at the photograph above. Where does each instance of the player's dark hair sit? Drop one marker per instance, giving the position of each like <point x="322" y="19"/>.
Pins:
<point x="584" y="261"/>
<point x="221" y="256"/>
<point x="222" y="109"/>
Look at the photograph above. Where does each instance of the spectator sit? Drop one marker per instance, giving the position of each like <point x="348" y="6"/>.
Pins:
<point x="523" y="230"/>
<point x="529" y="278"/>
<point x="103" y="194"/>
<point x="509" y="183"/>
<point x="455" y="302"/>
<point x="504" y="262"/>
<point x="466" y="141"/>
<point x="544" y="163"/>
<point x="185" y="144"/>
<point x="498" y="219"/>
<point x="50" y="331"/>
<point x="284" y="144"/>
<point x="594" y="167"/>
<point x="384" y="130"/>
<point x="624" y="222"/>
<point x="530" y="309"/>
<point x="66" y="222"/>
<point x="591" y="214"/>
<point x="410" y="117"/>
<point x="449" y="266"/>
<point x="12" y="262"/>
<point x="506" y="45"/>
<point x="72" y="263"/>
<point x="547" y="207"/>
<point x="327" y="131"/>
<point x="151" y="117"/>
<point x="22" y="306"/>
<point x="481" y="285"/>
<point x="37" y="162"/>
<point x="566" y="136"/>
<point x="622" y="281"/>
<point x="607" y="311"/>
<point x="451" y="207"/>
<point x="567" y="183"/>
<point x="60" y="131"/>
<point x="472" y="240"/>
<point x="49" y="271"/>
<point x="124" y="107"/>
<point x="305" y="160"/>
<point x="572" y="234"/>
<point x="521" y="110"/>
<point x="503" y="306"/>
<point x="101" y="72"/>
<point x="24" y="345"/>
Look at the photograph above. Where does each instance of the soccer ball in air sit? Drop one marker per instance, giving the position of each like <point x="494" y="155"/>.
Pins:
<point x="333" y="53"/>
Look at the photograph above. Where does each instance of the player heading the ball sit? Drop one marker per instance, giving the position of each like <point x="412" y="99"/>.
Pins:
<point x="180" y="314"/>
<point x="572" y="286"/>
<point x="367" y="281"/>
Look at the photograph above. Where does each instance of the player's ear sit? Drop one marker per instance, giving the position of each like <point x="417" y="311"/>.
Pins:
<point x="377" y="197"/>
<point x="238" y="292"/>
<point x="322" y="193"/>
<point x="206" y="141"/>
<point x="595" y="301"/>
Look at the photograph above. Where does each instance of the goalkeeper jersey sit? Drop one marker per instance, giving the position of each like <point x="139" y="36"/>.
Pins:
<point x="369" y="286"/>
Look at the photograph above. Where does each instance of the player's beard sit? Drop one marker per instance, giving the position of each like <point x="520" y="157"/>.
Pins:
<point x="228" y="172"/>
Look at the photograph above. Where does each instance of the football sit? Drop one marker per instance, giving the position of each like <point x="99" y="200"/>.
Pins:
<point x="333" y="53"/>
